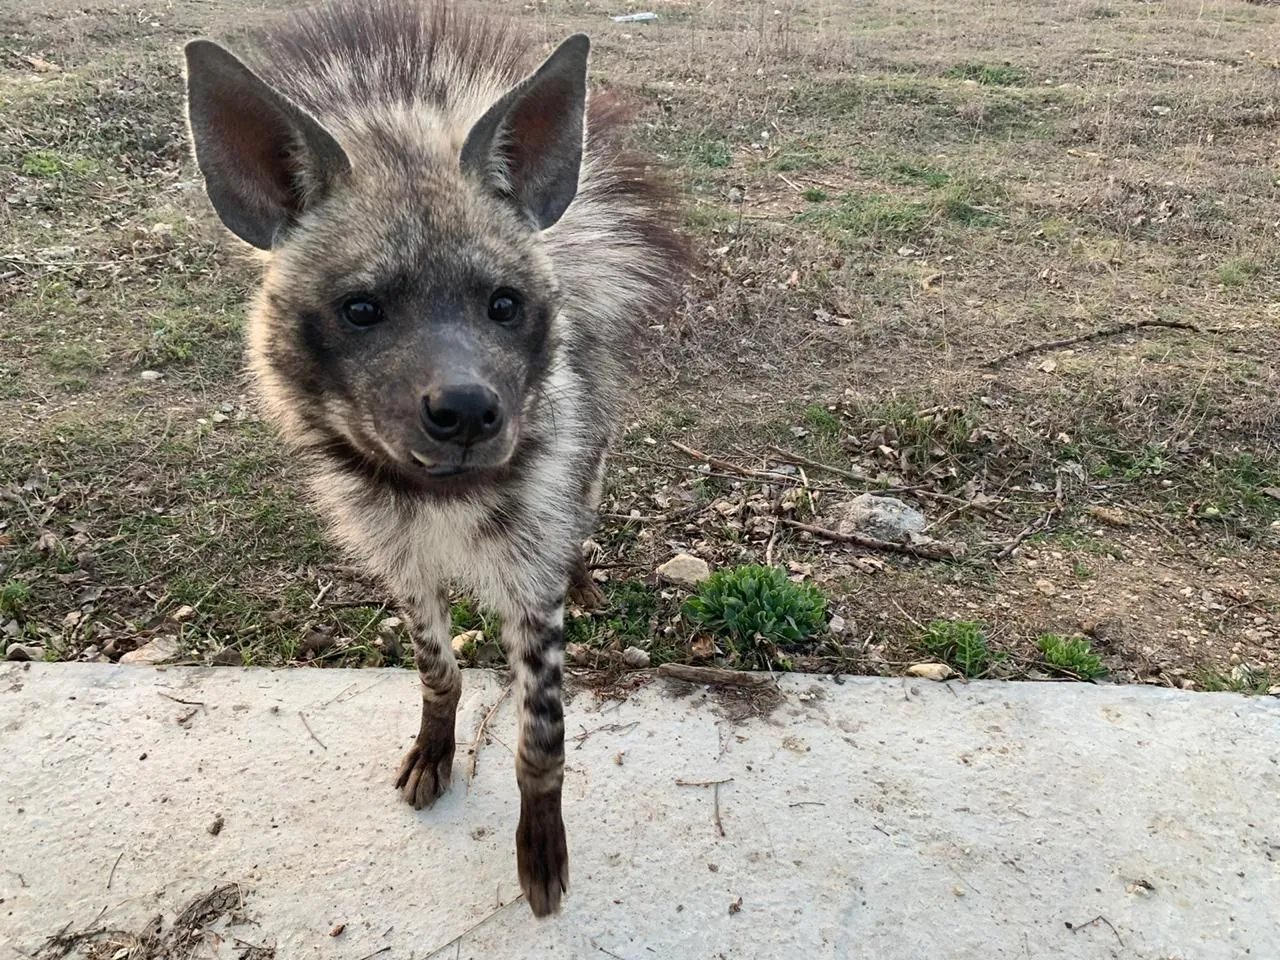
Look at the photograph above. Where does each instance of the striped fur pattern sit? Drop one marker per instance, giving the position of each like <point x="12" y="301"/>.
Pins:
<point x="334" y="146"/>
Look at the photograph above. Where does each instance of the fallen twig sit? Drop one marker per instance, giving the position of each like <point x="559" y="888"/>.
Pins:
<point x="310" y="731"/>
<point x="471" y="929"/>
<point x="732" y="467"/>
<point x="1077" y="927"/>
<point x="816" y="464"/>
<point x="112" y="875"/>
<point x="1035" y="526"/>
<point x="1087" y="337"/>
<point x="716" y="676"/>
<point x="702" y="783"/>
<point x="715" y="792"/>
<point x="189" y="703"/>
<point x="479" y="737"/>
<point x="935" y="550"/>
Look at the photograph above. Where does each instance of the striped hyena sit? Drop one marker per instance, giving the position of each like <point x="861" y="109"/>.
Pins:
<point x="457" y="260"/>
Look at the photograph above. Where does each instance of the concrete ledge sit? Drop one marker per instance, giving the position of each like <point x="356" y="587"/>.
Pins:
<point x="874" y="818"/>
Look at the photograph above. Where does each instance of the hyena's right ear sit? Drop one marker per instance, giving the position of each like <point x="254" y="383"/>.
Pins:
<point x="527" y="148"/>
<point x="263" y="158"/>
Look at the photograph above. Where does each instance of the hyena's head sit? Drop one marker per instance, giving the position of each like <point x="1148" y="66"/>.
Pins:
<point x="404" y="322"/>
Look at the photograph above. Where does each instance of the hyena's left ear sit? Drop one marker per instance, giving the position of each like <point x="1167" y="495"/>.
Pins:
<point x="264" y="159"/>
<point x="528" y="147"/>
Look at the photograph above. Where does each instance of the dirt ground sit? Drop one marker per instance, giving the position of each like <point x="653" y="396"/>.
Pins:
<point x="1015" y="264"/>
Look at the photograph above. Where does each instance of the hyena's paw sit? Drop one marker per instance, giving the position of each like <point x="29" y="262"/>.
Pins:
<point x="542" y="855"/>
<point x="425" y="772"/>
<point x="585" y="594"/>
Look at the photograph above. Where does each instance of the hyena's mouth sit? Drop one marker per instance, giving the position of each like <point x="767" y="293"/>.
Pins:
<point x="434" y="469"/>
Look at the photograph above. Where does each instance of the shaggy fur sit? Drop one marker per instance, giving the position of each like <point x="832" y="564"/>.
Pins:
<point x="355" y="156"/>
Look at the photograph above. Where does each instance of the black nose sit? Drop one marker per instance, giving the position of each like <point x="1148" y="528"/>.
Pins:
<point x="466" y="415"/>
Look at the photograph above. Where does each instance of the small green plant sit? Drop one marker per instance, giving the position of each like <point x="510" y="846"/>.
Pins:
<point x="48" y="163"/>
<point x="814" y="195"/>
<point x="757" y="610"/>
<point x="1240" y="679"/>
<point x="1070" y="655"/>
<point x="822" y="420"/>
<point x="988" y="75"/>
<point x="962" y="645"/>
<point x="13" y="598"/>
<point x="1238" y="272"/>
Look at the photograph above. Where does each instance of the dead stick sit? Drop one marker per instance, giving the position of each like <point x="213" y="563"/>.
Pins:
<point x="702" y="783"/>
<point x="112" y="875"/>
<point x="928" y="551"/>
<point x="1087" y="337"/>
<point x="310" y="731"/>
<point x="1030" y="530"/>
<point x="189" y="703"/>
<point x="715" y="791"/>
<point x="479" y="737"/>
<point x="713" y="675"/>
<point x="1077" y="927"/>
<point x="816" y="464"/>
<point x="732" y="467"/>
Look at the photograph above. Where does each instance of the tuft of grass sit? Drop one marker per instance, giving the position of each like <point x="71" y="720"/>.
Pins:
<point x="814" y="195"/>
<point x="962" y="645"/>
<point x="47" y="164"/>
<point x="14" y="596"/>
<point x="1238" y="271"/>
<point x="758" y="611"/>
<point x="877" y="217"/>
<point x="1240" y="679"/>
<point x="1070" y="656"/>
<point x="909" y="173"/>
<point x="988" y="75"/>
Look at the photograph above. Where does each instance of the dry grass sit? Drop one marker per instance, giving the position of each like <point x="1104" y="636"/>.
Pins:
<point x="886" y="196"/>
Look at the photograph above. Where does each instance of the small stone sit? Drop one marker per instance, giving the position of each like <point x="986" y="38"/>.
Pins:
<point x="473" y="637"/>
<point x="635" y="658"/>
<point x="215" y="828"/>
<point x="1046" y="587"/>
<point x="577" y="653"/>
<point x="1109" y="515"/>
<point x="58" y="253"/>
<point x="157" y="651"/>
<point x="219" y="418"/>
<point x="227" y="407"/>
<point x="837" y="625"/>
<point x="184" y="612"/>
<point x="684" y="568"/>
<point x="150" y="374"/>
<point x="488" y="653"/>
<point x="228" y="657"/>
<point x="1274" y="690"/>
<point x="931" y="671"/>
<point x="24" y="652"/>
<point x="390" y="624"/>
<point x="885" y="518"/>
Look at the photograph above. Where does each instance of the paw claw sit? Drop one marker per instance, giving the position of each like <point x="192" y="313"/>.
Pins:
<point x="425" y="773"/>
<point x="542" y="854"/>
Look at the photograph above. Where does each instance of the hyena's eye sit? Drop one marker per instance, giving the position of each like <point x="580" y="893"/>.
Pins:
<point x="360" y="311"/>
<point x="505" y="306"/>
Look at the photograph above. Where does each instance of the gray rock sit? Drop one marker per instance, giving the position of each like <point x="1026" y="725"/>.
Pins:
<point x="23" y="652"/>
<point x="228" y="657"/>
<point x="684" y="568"/>
<point x="158" y="650"/>
<point x="885" y="518"/>
<point x="150" y="374"/>
<point x="635" y="658"/>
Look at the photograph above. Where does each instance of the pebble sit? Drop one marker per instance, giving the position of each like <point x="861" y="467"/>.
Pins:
<point x="931" y="671"/>
<point x="150" y="374"/>
<point x="228" y="657"/>
<point x="684" y="568"/>
<point x="184" y="612"/>
<point x="1046" y="587"/>
<point x="157" y="651"/>
<point x="23" y="652"/>
<point x="635" y="658"/>
<point x="885" y="518"/>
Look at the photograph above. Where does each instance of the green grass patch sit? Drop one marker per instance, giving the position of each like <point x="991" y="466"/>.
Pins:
<point x="14" y="596"/>
<point x="1070" y="656"/>
<point x="962" y="645"/>
<point x="48" y="164"/>
<point x="814" y="195"/>
<point x="757" y="611"/>
<point x="1238" y="272"/>
<point x="988" y="74"/>
<point x="1239" y="679"/>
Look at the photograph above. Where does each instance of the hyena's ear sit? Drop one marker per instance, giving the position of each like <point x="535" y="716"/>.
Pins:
<point x="528" y="147"/>
<point x="263" y="158"/>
